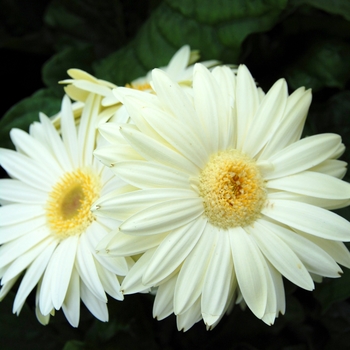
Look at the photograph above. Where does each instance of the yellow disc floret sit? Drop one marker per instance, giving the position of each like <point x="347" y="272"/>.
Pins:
<point x="141" y="87"/>
<point x="68" y="207"/>
<point x="232" y="189"/>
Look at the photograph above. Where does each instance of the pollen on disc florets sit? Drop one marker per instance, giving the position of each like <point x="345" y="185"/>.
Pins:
<point x="141" y="87"/>
<point x="232" y="189"/>
<point x="68" y="207"/>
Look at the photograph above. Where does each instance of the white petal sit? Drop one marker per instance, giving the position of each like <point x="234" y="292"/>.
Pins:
<point x="111" y="133"/>
<point x="43" y="319"/>
<point x="337" y="250"/>
<point x="151" y="175"/>
<point x="271" y="305"/>
<point x="17" y="191"/>
<point x="117" y="265"/>
<point x="191" y="277"/>
<point x="92" y="87"/>
<point x="164" y="216"/>
<point x="172" y="96"/>
<point x="126" y="245"/>
<point x="332" y="167"/>
<point x="24" y="260"/>
<point x="266" y="119"/>
<point x="163" y="302"/>
<point x="313" y="184"/>
<point x="63" y="258"/>
<point x="227" y="81"/>
<point x="247" y="102"/>
<point x="11" y="232"/>
<point x="97" y="307"/>
<point x="179" y="61"/>
<point x="57" y="146"/>
<point x="153" y="150"/>
<point x="31" y="172"/>
<point x="172" y="251"/>
<point x="251" y="274"/>
<point x="279" y="288"/>
<point x="122" y="206"/>
<point x="217" y="281"/>
<point x="207" y="102"/>
<point x="178" y="134"/>
<point x="12" y="250"/>
<point x="71" y="304"/>
<point x="291" y="126"/>
<point x="325" y="203"/>
<point x="69" y="132"/>
<point x="87" y="129"/>
<point x="188" y="318"/>
<point x="33" y="275"/>
<point x="14" y="213"/>
<point x="314" y="258"/>
<point x="308" y="218"/>
<point x="7" y="287"/>
<point x="280" y="255"/>
<point x="35" y="150"/>
<point x="86" y="268"/>
<point x="302" y="155"/>
<point x="109" y="281"/>
<point x="110" y="155"/>
<point x="132" y="282"/>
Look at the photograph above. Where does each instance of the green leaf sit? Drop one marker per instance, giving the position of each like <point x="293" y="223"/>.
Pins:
<point x="217" y="29"/>
<point x="74" y="345"/>
<point x="23" y="331"/>
<point x="26" y="112"/>
<point x="336" y="7"/>
<point x="75" y="22"/>
<point x="325" y="64"/>
<point x="121" y="67"/>
<point x="55" y="69"/>
<point x="331" y="291"/>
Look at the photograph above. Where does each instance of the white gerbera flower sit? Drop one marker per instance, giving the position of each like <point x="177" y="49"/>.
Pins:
<point x="180" y="69"/>
<point x="47" y="230"/>
<point x="230" y="199"/>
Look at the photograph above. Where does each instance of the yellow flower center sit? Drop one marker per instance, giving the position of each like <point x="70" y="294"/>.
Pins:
<point x="141" y="87"/>
<point x="232" y="189"/>
<point x="68" y="207"/>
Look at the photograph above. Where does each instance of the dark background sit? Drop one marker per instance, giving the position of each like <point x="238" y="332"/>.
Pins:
<point x="305" y="41"/>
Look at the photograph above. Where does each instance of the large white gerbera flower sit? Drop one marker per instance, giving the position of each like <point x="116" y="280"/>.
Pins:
<point x="47" y="230"/>
<point x="229" y="200"/>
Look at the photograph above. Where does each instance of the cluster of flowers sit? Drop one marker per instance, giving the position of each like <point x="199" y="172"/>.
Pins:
<point x="190" y="182"/>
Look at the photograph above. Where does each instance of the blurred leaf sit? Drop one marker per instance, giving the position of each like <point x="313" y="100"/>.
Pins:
<point x="56" y="68"/>
<point x="74" y="22"/>
<point x="24" y="331"/>
<point x="21" y="26"/>
<point x="325" y="64"/>
<point x="26" y="112"/>
<point x="336" y="7"/>
<point x="120" y="67"/>
<point x="74" y="345"/>
<point x="204" y="25"/>
<point x="294" y="310"/>
<point x="331" y="291"/>
<point x="337" y="322"/>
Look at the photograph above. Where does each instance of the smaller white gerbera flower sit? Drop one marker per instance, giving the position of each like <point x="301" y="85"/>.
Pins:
<point x="180" y="69"/>
<point x="230" y="198"/>
<point x="47" y="230"/>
